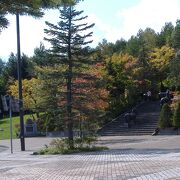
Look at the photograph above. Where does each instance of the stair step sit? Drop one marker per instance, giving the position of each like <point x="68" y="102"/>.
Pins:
<point x="127" y="131"/>
<point x="146" y="122"/>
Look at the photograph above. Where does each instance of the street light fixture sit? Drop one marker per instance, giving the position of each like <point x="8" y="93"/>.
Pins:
<point x="20" y="85"/>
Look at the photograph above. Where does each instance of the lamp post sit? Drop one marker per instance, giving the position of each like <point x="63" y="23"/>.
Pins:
<point x="10" y="116"/>
<point x="20" y="85"/>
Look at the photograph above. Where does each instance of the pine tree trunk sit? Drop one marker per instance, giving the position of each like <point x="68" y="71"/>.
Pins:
<point x="69" y="90"/>
<point x="69" y="110"/>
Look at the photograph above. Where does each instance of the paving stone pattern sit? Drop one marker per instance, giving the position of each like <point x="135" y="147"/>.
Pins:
<point x="106" y="165"/>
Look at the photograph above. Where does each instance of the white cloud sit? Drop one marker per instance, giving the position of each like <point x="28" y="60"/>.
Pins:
<point x="149" y="13"/>
<point x="103" y="30"/>
<point x="31" y="34"/>
<point x="7" y="39"/>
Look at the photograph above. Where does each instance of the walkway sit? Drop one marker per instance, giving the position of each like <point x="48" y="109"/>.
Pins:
<point x="135" y="158"/>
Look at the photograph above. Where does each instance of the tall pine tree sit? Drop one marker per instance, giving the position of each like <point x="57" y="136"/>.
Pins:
<point x="69" y="39"/>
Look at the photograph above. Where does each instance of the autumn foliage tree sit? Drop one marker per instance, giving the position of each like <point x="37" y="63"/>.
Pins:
<point x="159" y="61"/>
<point x="90" y="97"/>
<point x="30" y="89"/>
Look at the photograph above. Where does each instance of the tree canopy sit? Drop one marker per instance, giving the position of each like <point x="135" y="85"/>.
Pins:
<point x="33" y="8"/>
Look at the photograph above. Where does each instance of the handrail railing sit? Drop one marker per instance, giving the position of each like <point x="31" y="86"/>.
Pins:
<point x="121" y="115"/>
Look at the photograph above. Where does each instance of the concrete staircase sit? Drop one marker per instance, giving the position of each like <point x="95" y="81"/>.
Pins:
<point x="146" y="122"/>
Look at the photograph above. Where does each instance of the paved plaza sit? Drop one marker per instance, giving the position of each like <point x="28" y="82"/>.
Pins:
<point x="129" y="157"/>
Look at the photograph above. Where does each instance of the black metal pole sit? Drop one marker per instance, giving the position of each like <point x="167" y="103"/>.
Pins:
<point x="21" y="113"/>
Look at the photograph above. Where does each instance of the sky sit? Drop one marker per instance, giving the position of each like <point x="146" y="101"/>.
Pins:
<point x="114" y="19"/>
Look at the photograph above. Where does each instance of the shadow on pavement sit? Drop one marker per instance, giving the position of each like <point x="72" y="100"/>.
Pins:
<point x="131" y="151"/>
<point x="144" y="151"/>
<point x="113" y="141"/>
<point x="3" y="148"/>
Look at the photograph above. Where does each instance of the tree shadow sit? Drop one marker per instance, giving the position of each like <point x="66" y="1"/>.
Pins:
<point x="3" y="148"/>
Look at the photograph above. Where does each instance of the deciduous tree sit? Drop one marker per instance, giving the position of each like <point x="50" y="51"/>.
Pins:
<point x="160" y="60"/>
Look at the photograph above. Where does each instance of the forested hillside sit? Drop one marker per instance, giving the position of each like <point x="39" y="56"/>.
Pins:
<point x="74" y="86"/>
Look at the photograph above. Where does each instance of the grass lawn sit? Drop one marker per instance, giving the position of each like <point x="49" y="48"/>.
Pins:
<point x="5" y="126"/>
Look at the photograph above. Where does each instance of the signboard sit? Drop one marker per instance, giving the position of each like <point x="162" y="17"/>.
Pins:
<point x="14" y="103"/>
<point x="4" y="103"/>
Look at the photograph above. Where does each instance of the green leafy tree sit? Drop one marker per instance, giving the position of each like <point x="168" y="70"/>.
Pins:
<point x="140" y="46"/>
<point x="120" y="46"/>
<point x="69" y="46"/>
<point x="41" y="57"/>
<point x="133" y="46"/>
<point x="176" y="116"/>
<point x="147" y="41"/>
<point x="165" y="116"/>
<point x="105" y="49"/>
<point x="48" y="95"/>
<point x="176" y="36"/>
<point x="2" y="65"/>
<point x="165" y="36"/>
<point x="2" y="79"/>
<point x="174" y="75"/>
<point x="10" y="69"/>
<point x="121" y="74"/>
<point x="147" y="38"/>
<point x="3" y="21"/>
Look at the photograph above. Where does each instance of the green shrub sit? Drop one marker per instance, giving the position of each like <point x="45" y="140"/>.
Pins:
<point x="117" y="106"/>
<point x="61" y="146"/>
<point x="165" y="116"/>
<point x="176" y="117"/>
<point x="41" y="125"/>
